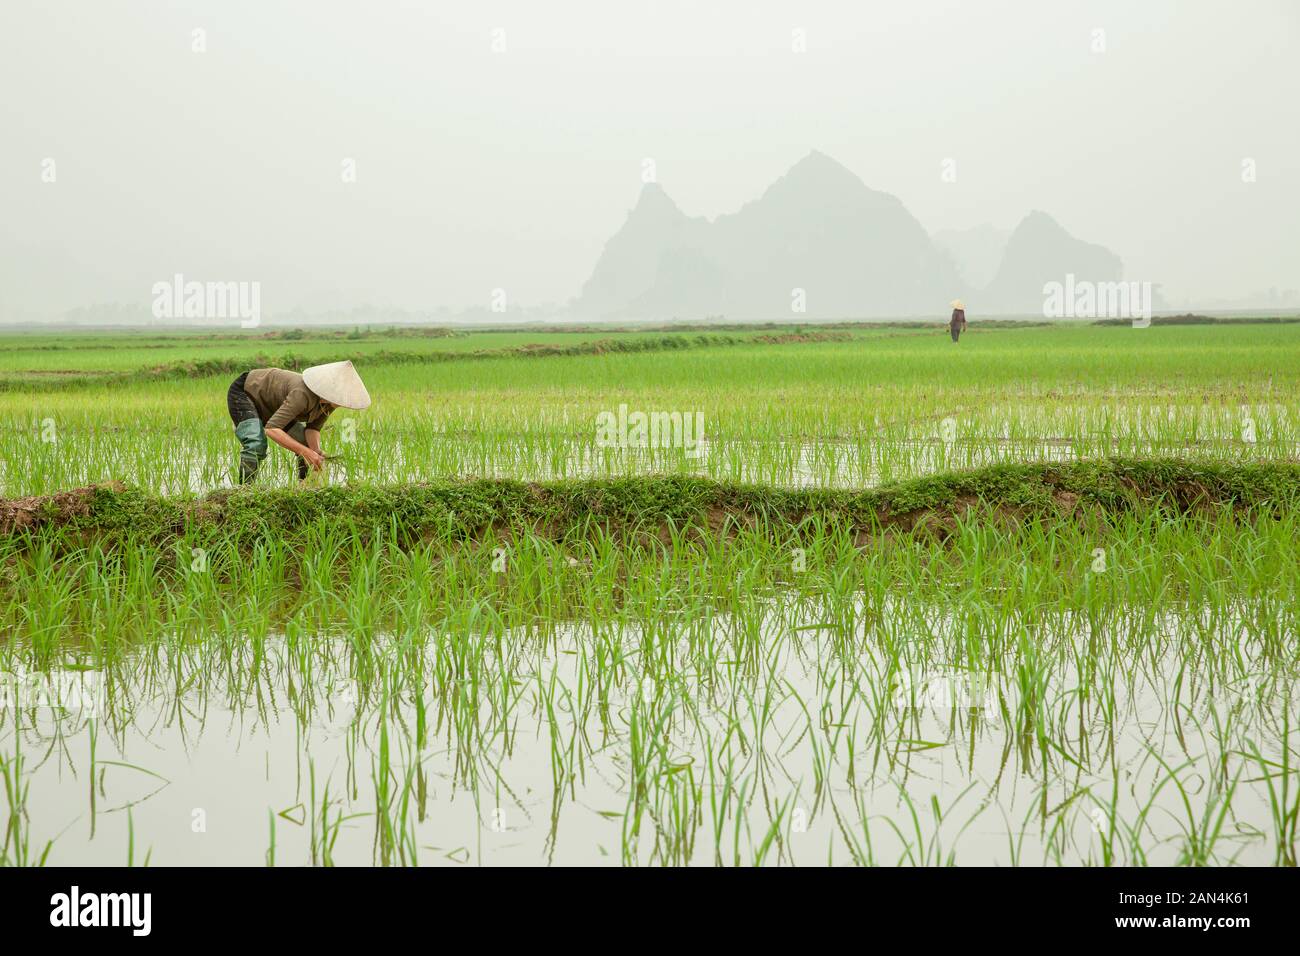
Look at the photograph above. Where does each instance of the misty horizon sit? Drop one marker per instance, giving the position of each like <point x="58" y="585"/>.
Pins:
<point x="424" y="159"/>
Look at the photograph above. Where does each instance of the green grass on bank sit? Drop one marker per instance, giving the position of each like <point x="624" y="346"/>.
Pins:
<point x="60" y="362"/>
<point x="458" y="511"/>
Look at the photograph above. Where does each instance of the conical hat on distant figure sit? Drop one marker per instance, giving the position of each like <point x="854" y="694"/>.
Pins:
<point x="337" y="383"/>
<point x="956" y="304"/>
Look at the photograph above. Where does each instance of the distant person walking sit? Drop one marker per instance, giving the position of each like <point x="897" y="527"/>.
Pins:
<point x="957" y="324"/>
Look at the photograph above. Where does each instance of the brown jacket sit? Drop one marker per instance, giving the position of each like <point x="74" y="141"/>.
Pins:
<point x="958" y="319"/>
<point x="282" y="399"/>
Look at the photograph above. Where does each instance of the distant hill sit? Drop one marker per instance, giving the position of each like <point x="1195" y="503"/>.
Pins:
<point x="1040" y="251"/>
<point x="852" y="250"/>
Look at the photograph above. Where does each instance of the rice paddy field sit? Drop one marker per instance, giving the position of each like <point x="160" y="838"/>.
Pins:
<point x="845" y="595"/>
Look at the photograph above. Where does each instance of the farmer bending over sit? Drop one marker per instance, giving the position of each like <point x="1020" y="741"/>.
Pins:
<point x="290" y="409"/>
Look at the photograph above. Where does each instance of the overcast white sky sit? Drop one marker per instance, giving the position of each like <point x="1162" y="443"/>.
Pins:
<point x="478" y="170"/>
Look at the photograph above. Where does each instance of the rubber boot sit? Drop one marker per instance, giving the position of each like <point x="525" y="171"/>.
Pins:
<point x="252" y="448"/>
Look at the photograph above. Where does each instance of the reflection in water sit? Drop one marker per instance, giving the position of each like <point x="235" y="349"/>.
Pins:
<point x="786" y="732"/>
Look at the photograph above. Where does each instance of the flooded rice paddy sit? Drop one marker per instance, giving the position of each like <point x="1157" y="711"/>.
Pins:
<point x="783" y="732"/>
<point x="844" y="451"/>
<point x="1113" y="688"/>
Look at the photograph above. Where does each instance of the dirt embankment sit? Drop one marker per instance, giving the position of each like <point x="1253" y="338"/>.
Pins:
<point x="795" y="338"/>
<point x="59" y="509"/>
<point x="659" y="507"/>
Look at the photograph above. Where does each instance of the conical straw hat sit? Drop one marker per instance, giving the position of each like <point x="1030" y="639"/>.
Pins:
<point x="956" y="304"/>
<point x="337" y="383"/>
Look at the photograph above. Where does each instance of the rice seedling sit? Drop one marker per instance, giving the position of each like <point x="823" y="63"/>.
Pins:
<point x="1067" y="638"/>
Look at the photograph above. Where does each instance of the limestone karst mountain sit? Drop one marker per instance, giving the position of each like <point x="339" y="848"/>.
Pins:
<point x="820" y="239"/>
<point x="818" y="235"/>
<point x="1040" y="251"/>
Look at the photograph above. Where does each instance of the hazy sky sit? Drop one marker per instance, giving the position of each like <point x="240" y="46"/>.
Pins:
<point x="478" y="169"/>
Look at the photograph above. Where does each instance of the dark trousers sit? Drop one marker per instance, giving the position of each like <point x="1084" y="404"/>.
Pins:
<point x="955" y="330"/>
<point x="252" y="434"/>
<point x="238" y="403"/>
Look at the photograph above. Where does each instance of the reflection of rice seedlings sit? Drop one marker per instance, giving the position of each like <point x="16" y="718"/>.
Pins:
<point x="1282" y="778"/>
<point x="17" y="850"/>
